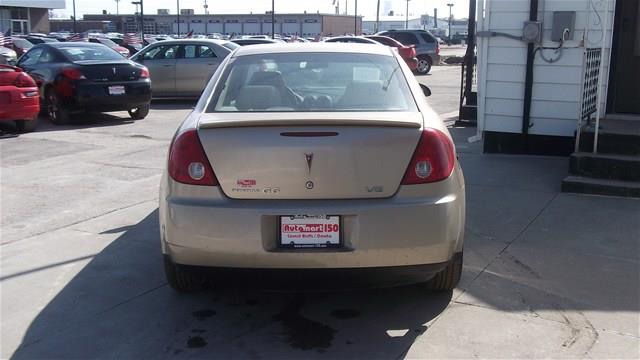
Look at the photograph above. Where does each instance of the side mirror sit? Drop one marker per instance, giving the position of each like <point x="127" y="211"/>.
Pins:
<point x="425" y="90"/>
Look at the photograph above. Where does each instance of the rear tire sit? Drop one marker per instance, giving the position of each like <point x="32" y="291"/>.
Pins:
<point x="25" y="126"/>
<point x="447" y="279"/>
<point x="182" y="278"/>
<point x="139" y="113"/>
<point x="424" y="65"/>
<point x="56" y="113"/>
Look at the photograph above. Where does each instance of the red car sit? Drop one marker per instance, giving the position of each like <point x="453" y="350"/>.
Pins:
<point x="19" y="98"/>
<point x="408" y="53"/>
<point x="104" y="41"/>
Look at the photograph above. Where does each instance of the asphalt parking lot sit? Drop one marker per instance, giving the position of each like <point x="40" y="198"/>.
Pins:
<point x="546" y="274"/>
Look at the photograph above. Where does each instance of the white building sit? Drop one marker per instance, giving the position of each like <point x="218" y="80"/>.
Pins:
<point x="531" y="96"/>
<point x="558" y="81"/>
<point x="25" y="16"/>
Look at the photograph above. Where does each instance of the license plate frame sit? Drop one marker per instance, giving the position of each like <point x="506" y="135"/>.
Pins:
<point x="117" y="90"/>
<point x="310" y="244"/>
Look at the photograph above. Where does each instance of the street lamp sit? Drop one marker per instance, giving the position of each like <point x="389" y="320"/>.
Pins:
<point x="355" y="19"/>
<point x="136" y="3"/>
<point x="74" y="17"/>
<point x="178" y="15"/>
<point x="406" y="17"/>
<point x="273" y="19"/>
<point x="206" y="19"/>
<point x="450" y="5"/>
<point x="117" y="7"/>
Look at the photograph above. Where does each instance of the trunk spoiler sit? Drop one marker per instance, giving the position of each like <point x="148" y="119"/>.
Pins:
<point x="232" y="120"/>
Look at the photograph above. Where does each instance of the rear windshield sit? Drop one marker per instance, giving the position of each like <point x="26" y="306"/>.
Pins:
<point x="107" y="42"/>
<point x="305" y="82"/>
<point x="79" y="53"/>
<point x="230" y="45"/>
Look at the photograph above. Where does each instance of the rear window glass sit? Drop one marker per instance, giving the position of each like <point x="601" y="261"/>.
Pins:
<point x="230" y="45"/>
<point x="305" y="82"/>
<point x="80" y="53"/>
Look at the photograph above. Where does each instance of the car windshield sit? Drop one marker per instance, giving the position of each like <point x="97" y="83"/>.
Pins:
<point x="22" y="43"/>
<point x="79" y="53"/>
<point x="313" y="82"/>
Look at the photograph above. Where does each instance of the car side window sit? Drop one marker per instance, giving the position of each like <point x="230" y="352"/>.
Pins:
<point x="205" y="52"/>
<point x="406" y="38"/>
<point x="189" y="51"/>
<point x="427" y="38"/>
<point x="31" y="57"/>
<point x="161" y="52"/>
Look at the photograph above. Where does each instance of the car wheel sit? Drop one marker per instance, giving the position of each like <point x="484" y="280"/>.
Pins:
<point x="448" y="278"/>
<point x="56" y="113"/>
<point x="27" y="125"/>
<point x="139" y="113"/>
<point x="424" y="65"/>
<point x="183" y="278"/>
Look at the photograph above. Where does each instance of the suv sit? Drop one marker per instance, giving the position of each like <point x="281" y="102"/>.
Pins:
<point x="427" y="47"/>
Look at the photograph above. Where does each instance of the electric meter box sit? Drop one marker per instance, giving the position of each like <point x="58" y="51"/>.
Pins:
<point x="563" y="20"/>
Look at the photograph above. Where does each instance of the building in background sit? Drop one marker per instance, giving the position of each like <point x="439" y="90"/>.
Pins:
<point x="305" y="24"/>
<point x="25" y="16"/>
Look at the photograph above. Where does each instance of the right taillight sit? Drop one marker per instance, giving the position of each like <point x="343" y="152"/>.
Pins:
<point x="433" y="159"/>
<point x="188" y="164"/>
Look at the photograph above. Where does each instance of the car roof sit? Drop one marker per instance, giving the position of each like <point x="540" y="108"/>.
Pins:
<point x="313" y="47"/>
<point x="71" y="43"/>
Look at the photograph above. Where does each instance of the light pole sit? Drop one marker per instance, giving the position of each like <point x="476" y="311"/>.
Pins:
<point x="378" y="17"/>
<point x="450" y="5"/>
<point x="117" y="7"/>
<point x="206" y="20"/>
<point x="273" y="19"/>
<point x="178" y="15"/>
<point x="355" y="19"/>
<point x="74" y="17"/>
<point x="406" y="17"/>
<point x="136" y="3"/>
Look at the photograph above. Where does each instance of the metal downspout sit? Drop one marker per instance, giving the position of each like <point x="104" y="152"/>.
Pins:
<point x="528" y="81"/>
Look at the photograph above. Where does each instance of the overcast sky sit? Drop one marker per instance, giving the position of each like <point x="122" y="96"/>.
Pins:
<point x="365" y="7"/>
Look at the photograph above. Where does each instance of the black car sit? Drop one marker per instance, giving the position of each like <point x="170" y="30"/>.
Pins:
<point x="76" y="77"/>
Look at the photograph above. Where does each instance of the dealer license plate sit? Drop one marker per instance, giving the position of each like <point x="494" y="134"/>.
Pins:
<point x="116" y="90"/>
<point x="310" y="231"/>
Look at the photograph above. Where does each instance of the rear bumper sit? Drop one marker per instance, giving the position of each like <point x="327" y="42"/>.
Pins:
<point x="321" y="279"/>
<point x="18" y="103"/>
<point x="92" y="96"/>
<point x="412" y="63"/>
<point x="420" y="225"/>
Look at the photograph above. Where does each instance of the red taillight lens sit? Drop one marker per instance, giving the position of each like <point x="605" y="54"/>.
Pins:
<point x="73" y="74"/>
<point x="144" y="73"/>
<point x="433" y="159"/>
<point x="23" y="81"/>
<point x="188" y="164"/>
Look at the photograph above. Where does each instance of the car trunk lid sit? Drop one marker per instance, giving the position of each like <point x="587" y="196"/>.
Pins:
<point x="115" y="70"/>
<point x="320" y="156"/>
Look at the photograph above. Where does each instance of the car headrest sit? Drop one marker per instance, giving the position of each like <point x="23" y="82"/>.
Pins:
<point x="258" y="97"/>
<point x="273" y="78"/>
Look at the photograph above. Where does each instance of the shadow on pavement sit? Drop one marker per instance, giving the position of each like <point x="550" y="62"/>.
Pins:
<point x="173" y="104"/>
<point x="120" y="306"/>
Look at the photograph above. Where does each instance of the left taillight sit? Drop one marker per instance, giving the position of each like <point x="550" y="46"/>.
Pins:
<point x="24" y="81"/>
<point x="188" y="163"/>
<point x="144" y="72"/>
<point x="432" y="161"/>
<point x="73" y="74"/>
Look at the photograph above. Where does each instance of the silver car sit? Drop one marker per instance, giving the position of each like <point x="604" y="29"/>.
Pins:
<point x="181" y="68"/>
<point x="312" y="161"/>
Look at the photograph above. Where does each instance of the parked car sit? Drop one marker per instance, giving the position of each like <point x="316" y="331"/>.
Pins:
<point x="76" y="77"/>
<point x="255" y="41"/>
<point x="351" y="39"/>
<point x="38" y="39"/>
<point x="19" y="100"/>
<point x="106" y="42"/>
<point x="133" y="48"/>
<point x="408" y="53"/>
<point x="335" y="170"/>
<point x="21" y="46"/>
<point x="181" y="68"/>
<point x="426" y="45"/>
<point x="8" y="56"/>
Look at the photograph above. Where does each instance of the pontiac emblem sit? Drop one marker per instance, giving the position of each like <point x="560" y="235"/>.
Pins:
<point x="309" y="158"/>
